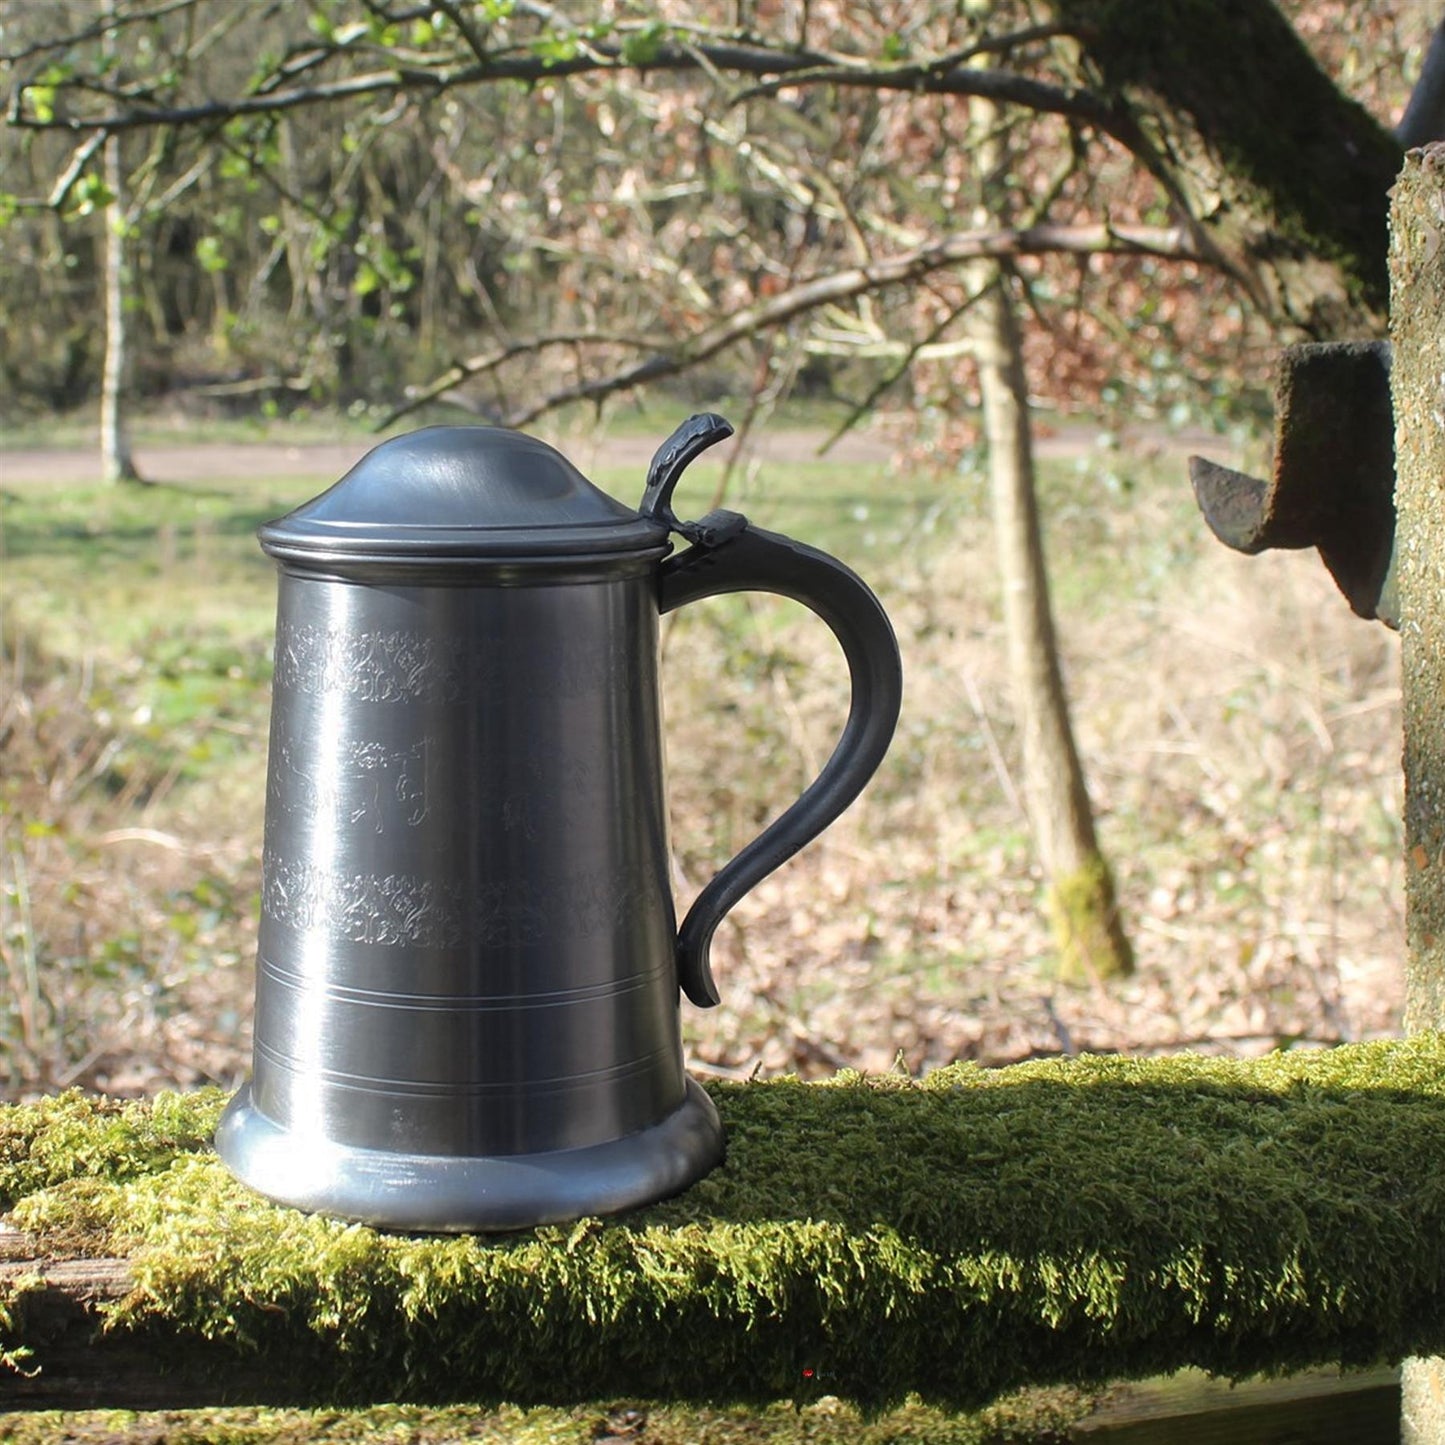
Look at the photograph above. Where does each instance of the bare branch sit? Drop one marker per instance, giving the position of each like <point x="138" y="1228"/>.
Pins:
<point x="1170" y="241"/>
<point x="912" y="352"/>
<point x="83" y="155"/>
<point x="462" y="371"/>
<point x="108" y="24"/>
<point x="475" y="43"/>
<point x="779" y="68"/>
<point x="1030" y="35"/>
<point x="949" y="75"/>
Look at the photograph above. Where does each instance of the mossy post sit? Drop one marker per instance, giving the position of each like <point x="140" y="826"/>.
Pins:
<point x="1417" y="330"/>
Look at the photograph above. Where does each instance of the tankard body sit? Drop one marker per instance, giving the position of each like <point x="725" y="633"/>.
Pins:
<point x="465" y="893"/>
<point x="467" y="1000"/>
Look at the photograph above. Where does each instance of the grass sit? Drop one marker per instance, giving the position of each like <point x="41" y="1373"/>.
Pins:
<point x="80" y="428"/>
<point x="1239" y="727"/>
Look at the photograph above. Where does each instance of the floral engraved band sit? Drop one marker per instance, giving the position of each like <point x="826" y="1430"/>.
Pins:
<point x="381" y="666"/>
<point x="398" y="665"/>
<point x="401" y="910"/>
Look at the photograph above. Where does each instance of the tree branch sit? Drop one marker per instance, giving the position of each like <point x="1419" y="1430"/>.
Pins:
<point x="1165" y="241"/>
<point x="1424" y="118"/>
<point x="781" y="68"/>
<point x="461" y="371"/>
<point x="82" y="156"/>
<point x="106" y="25"/>
<point x="918" y="347"/>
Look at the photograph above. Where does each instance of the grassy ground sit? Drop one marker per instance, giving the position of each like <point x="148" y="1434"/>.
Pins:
<point x="1240" y="731"/>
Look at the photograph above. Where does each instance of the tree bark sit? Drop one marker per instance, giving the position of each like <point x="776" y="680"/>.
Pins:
<point x="116" y="462"/>
<point x="1289" y="177"/>
<point x="1083" y="911"/>
<point x="1417" y="332"/>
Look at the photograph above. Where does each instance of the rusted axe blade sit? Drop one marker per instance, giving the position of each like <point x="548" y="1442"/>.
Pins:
<point x="1333" y="485"/>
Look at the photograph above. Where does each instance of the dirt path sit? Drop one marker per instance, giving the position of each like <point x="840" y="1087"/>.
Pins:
<point x="199" y="463"/>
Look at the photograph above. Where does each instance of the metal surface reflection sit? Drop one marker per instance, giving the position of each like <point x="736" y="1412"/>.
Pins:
<point x="469" y="961"/>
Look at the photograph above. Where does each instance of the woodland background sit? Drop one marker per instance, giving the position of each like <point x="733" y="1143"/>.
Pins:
<point x="591" y="224"/>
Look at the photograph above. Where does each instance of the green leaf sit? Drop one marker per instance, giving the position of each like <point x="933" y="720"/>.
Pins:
<point x="643" y="46"/>
<point x="210" y="255"/>
<point x="554" y="48"/>
<point x="42" y="102"/>
<point x="90" y="194"/>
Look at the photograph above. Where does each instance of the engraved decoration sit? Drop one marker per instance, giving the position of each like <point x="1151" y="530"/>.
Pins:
<point x="402" y="910"/>
<point x="370" y="777"/>
<point x="379" y="666"/>
<point x="398" y="665"/>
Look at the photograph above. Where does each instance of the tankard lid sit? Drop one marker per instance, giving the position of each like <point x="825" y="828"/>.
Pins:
<point x="451" y="494"/>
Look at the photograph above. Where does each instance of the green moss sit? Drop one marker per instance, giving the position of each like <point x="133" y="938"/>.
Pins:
<point x="1035" y="1415"/>
<point x="1061" y="1223"/>
<point x="1285" y="147"/>
<point x="75" y="1134"/>
<point x="15" y="1358"/>
<point x="1088" y="934"/>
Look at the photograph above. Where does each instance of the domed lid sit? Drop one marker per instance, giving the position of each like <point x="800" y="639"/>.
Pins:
<point x="456" y="493"/>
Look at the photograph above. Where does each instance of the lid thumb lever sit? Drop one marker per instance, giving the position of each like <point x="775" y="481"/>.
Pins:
<point x="683" y="447"/>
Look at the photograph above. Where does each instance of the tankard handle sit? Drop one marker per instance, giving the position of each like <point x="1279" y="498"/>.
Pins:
<point x="729" y="554"/>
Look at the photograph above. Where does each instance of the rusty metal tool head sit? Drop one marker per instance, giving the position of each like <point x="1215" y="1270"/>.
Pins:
<point x="1333" y="485"/>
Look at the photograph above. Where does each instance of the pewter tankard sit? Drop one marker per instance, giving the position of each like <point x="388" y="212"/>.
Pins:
<point x="467" y="985"/>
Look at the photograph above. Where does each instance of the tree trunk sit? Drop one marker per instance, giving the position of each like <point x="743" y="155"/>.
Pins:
<point x="1417" y="332"/>
<point x="1083" y="911"/>
<point x="116" y="464"/>
<point x="1288" y="176"/>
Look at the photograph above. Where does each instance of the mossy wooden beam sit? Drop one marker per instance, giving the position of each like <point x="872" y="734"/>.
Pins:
<point x="1417" y="330"/>
<point x="1042" y="1417"/>
<point x="954" y="1240"/>
<point x="1322" y="1408"/>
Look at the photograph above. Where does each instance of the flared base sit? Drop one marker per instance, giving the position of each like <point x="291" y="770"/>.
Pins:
<point x="443" y="1194"/>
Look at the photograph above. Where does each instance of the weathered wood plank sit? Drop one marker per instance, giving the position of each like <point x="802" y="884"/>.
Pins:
<point x="1313" y="1408"/>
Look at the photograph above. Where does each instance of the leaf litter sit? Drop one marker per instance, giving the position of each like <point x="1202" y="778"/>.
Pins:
<point x="1240" y="731"/>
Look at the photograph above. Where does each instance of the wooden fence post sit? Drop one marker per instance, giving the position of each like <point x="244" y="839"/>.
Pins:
<point x="1417" y="330"/>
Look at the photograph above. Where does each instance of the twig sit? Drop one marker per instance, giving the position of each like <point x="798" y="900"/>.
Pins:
<point x="913" y="351"/>
<point x="152" y="836"/>
<point x="1060" y="1028"/>
<point x="990" y="743"/>
<point x="483" y="362"/>
<point x="908" y="266"/>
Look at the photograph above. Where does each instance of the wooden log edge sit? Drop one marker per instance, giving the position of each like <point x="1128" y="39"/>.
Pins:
<point x="63" y="1298"/>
